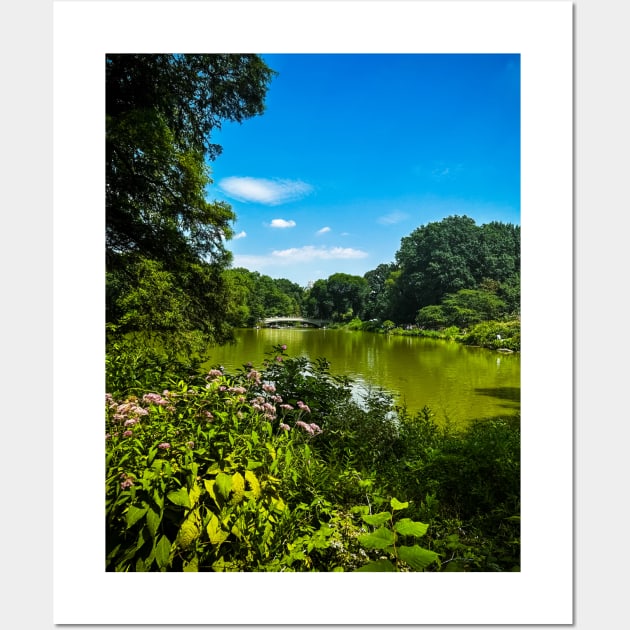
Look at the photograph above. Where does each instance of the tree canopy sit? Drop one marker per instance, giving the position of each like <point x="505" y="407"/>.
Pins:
<point x="163" y="237"/>
<point x="444" y="257"/>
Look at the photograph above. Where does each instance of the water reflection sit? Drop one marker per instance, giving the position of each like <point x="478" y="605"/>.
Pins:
<point x="458" y="383"/>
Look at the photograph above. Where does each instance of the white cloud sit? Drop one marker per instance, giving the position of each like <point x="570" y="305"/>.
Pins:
<point x="294" y="255"/>
<point x="282" y="223"/>
<point x="323" y="230"/>
<point x="270" y="192"/>
<point x="392" y="218"/>
<point x="242" y="234"/>
<point x="309" y="253"/>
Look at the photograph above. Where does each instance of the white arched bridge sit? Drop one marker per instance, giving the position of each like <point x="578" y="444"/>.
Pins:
<point x="319" y="323"/>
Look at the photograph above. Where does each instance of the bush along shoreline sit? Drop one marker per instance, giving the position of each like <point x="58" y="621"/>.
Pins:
<point x="279" y="468"/>
<point x="502" y="336"/>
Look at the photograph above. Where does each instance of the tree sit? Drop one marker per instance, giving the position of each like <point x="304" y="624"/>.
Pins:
<point x="347" y="293"/>
<point x="340" y="297"/>
<point x="319" y="303"/>
<point x="378" y="297"/>
<point x="255" y="296"/>
<point x="434" y="260"/>
<point x="471" y="306"/>
<point x="161" y="111"/>
<point x="499" y="251"/>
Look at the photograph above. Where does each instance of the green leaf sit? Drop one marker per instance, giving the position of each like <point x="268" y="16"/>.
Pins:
<point x="397" y="505"/>
<point x="163" y="552"/>
<point x="224" y="484"/>
<point x="179" y="497"/>
<point x="378" y="565"/>
<point x="192" y="566"/>
<point x="417" y="557"/>
<point x="407" y="527"/>
<point x="238" y="487"/>
<point x="153" y="521"/>
<point x="215" y="533"/>
<point x="134" y="514"/>
<point x="151" y="455"/>
<point x="158" y="498"/>
<point x="379" y="539"/>
<point x="194" y="494"/>
<point x="377" y="519"/>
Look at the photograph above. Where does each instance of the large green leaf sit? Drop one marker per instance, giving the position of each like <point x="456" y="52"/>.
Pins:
<point x="191" y="566"/>
<point x="153" y="521"/>
<point x="134" y="514"/>
<point x="179" y="497"/>
<point x="215" y="533"/>
<point x="397" y="505"/>
<point x="377" y="519"/>
<point x="238" y="487"/>
<point x="163" y="552"/>
<point x="378" y="565"/>
<point x="224" y="484"/>
<point x="407" y="527"/>
<point x="417" y="557"/>
<point x="379" y="539"/>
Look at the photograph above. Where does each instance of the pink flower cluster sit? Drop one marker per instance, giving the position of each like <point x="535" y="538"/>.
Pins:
<point x="253" y="375"/>
<point x="303" y="407"/>
<point x="311" y="428"/>
<point x="127" y="412"/>
<point x="127" y="481"/>
<point x="155" y="399"/>
<point x="236" y="390"/>
<point x="260" y="404"/>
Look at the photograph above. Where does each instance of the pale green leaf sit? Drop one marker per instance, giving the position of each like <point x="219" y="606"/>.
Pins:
<point x="215" y="533"/>
<point x="134" y="514"/>
<point x="224" y="484"/>
<point x="397" y="505"/>
<point x="209" y="484"/>
<point x="194" y="494"/>
<point x="377" y="519"/>
<point x="379" y="539"/>
<point x="153" y="521"/>
<point x="179" y="497"/>
<point x="192" y="566"/>
<point x="163" y="552"/>
<point x="416" y="557"/>
<point x="407" y="527"/>
<point x="238" y="487"/>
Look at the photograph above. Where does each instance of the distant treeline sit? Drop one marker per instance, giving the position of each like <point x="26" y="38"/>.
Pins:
<point x="447" y="273"/>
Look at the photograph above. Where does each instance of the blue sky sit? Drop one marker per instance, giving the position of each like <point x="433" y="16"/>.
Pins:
<point x="355" y="151"/>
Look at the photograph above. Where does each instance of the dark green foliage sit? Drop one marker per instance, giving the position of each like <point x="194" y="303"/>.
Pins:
<point x="211" y="479"/>
<point x="338" y="298"/>
<point x="495" y="335"/>
<point x="165" y="243"/>
<point x="447" y="273"/>
<point x="378" y="302"/>
<point x="445" y="257"/>
<point x="254" y="296"/>
<point x="478" y="471"/>
<point x="462" y="309"/>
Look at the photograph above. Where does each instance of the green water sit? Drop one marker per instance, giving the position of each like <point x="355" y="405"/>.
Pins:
<point x="457" y="382"/>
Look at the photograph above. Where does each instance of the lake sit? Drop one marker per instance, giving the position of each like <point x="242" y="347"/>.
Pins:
<point x="458" y="383"/>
